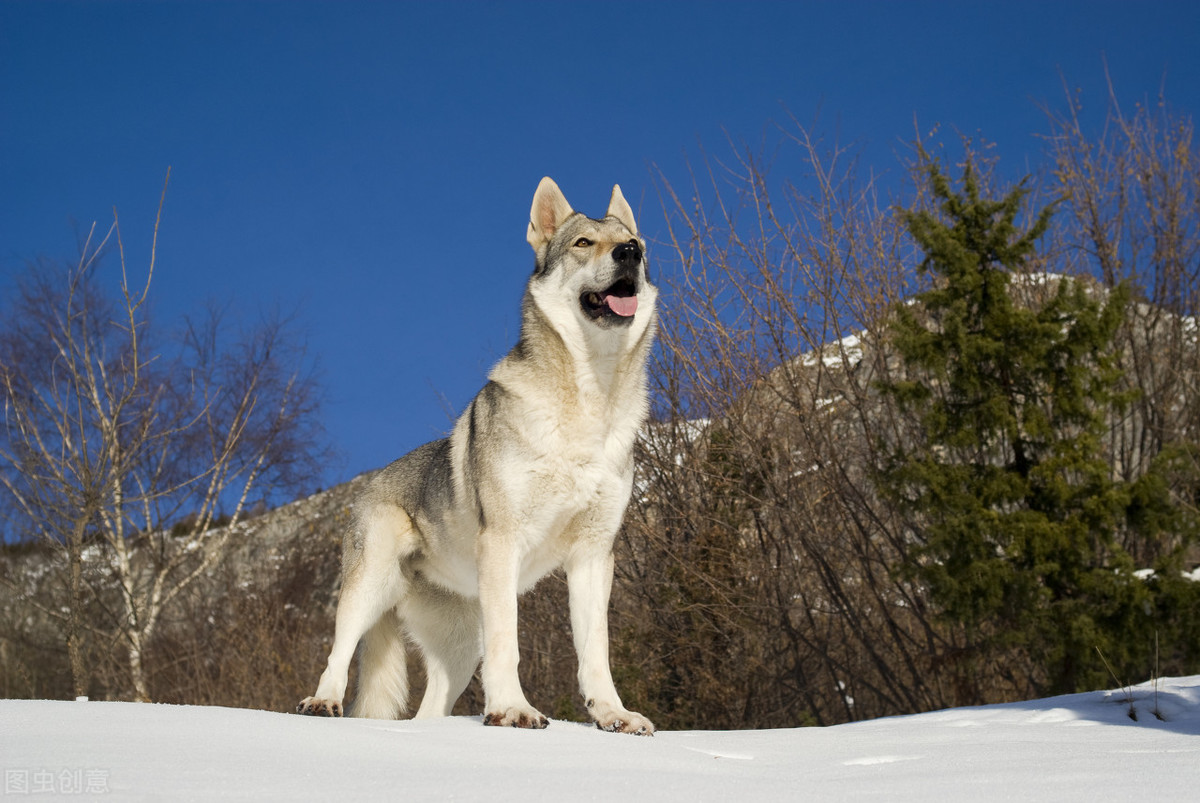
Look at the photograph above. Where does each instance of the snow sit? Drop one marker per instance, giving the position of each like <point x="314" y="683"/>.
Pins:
<point x="845" y="352"/>
<point x="1076" y="747"/>
<point x="1038" y="278"/>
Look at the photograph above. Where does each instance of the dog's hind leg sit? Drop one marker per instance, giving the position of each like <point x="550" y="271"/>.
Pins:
<point x="446" y="628"/>
<point x="372" y="584"/>
<point x="382" y="671"/>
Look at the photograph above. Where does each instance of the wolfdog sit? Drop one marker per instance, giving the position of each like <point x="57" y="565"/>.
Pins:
<point x="535" y="476"/>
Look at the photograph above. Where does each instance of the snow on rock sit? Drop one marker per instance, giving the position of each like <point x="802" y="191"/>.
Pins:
<point x="1076" y="747"/>
<point x="846" y="352"/>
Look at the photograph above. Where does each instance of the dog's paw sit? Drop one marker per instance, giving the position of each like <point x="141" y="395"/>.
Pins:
<point x="312" y="707"/>
<point x="618" y="720"/>
<point x="516" y="718"/>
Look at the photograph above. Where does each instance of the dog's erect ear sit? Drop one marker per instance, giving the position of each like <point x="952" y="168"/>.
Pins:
<point x="549" y="210"/>
<point x="618" y="207"/>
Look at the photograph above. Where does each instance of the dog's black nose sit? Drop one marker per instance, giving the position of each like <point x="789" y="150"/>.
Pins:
<point x="627" y="255"/>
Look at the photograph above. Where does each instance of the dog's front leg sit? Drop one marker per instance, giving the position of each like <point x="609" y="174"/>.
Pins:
<point x="504" y="702"/>
<point x="589" y="582"/>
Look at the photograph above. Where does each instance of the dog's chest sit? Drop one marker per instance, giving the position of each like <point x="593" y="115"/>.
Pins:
<point x="569" y="455"/>
<point x="589" y="444"/>
<point x="573" y="482"/>
<point x="578" y="461"/>
<point x="577" y="494"/>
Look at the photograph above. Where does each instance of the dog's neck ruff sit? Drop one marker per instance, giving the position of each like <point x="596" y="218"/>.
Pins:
<point x="585" y="358"/>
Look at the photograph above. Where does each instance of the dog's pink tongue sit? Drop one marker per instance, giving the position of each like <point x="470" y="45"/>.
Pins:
<point x="625" y="306"/>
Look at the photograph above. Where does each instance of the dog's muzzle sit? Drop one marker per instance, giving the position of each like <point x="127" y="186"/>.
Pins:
<point x="627" y="255"/>
<point x="616" y="304"/>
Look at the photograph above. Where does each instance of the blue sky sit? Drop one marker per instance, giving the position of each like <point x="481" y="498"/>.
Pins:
<point x="370" y="165"/>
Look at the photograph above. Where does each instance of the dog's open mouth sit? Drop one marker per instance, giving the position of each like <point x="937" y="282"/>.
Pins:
<point x="619" y="301"/>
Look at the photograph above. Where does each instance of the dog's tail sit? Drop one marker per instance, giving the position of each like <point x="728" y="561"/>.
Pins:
<point x="382" y="671"/>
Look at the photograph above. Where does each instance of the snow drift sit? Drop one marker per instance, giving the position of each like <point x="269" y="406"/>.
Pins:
<point x="1075" y="747"/>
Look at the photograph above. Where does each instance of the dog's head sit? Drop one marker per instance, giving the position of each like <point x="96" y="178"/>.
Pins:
<point x="597" y="268"/>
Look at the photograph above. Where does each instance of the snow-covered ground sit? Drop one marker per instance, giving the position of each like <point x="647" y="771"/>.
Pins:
<point x="1077" y="747"/>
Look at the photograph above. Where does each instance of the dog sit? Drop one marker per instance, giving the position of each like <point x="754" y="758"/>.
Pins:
<point x="535" y="475"/>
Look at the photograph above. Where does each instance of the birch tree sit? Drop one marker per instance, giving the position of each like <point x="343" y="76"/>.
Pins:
<point x="122" y="450"/>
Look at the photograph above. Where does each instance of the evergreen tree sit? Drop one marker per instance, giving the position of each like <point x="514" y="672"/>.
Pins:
<point x="1013" y="506"/>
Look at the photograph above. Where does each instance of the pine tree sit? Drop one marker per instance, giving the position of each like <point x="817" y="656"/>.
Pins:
<point x="1012" y="505"/>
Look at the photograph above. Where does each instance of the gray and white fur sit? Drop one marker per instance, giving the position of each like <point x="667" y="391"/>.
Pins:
<point x="535" y="476"/>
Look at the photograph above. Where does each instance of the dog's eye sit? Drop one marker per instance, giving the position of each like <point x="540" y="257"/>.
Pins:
<point x="583" y="242"/>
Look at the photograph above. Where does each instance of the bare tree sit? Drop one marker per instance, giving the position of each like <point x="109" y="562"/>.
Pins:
<point x="760" y="559"/>
<point x="763" y="562"/>
<point x="121" y="451"/>
<point x="1130" y="211"/>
